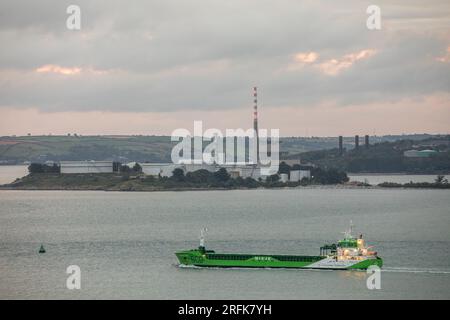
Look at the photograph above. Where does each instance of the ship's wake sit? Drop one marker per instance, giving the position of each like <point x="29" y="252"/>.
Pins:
<point x="186" y="266"/>
<point x="384" y="269"/>
<point x="414" y="270"/>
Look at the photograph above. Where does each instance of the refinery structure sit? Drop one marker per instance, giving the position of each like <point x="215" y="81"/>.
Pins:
<point x="236" y="168"/>
<point x="252" y="169"/>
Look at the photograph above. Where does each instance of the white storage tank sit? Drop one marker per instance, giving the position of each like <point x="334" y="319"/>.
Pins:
<point x="163" y="169"/>
<point x="305" y="174"/>
<point x="86" y="166"/>
<point x="294" y="176"/>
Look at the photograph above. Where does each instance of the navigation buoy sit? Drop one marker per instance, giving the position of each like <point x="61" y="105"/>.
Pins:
<point x="42" y="249"/>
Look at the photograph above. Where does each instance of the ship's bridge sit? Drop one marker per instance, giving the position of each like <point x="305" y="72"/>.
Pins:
<point x="348" y="243"/>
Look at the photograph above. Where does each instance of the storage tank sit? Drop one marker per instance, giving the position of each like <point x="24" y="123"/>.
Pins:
<point x="86" y="166"/>
<point x="294" y="176"/>
<point x="305" y="174"/>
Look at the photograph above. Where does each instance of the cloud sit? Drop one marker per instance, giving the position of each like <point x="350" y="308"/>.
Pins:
<point x="331" y="66"/>
<point x="446" y="57"/>
<point x="179" y="56"/>
<point x="49" y="68"/>
<point x="334" y="66"/>
<point x="69" y="71"/>
<point x="308" y="57"/>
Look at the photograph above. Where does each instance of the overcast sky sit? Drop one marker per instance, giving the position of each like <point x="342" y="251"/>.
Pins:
<point x="148" y="67"/>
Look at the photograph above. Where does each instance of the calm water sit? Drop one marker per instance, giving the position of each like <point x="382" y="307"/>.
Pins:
<point x="10" y="173"/>
<point x="124" y="242"/>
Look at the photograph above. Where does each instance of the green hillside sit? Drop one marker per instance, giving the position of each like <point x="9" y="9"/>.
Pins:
<point x="119" y="148"/>
<point x="14" y="150"/>
<point x="385" y="157"/>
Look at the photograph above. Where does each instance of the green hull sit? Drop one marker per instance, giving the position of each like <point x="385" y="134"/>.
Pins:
<point x="201" y="258"/>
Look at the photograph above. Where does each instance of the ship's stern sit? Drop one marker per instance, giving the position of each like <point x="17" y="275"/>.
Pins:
<point x="363" y="265"/>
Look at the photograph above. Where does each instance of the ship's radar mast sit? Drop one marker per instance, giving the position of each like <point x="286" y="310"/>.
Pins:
<point x="349" y="233"/>
<point x="202" y="237"/>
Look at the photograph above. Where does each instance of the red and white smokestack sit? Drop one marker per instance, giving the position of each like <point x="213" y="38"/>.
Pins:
<point x="255" y="120"/>
<point x="255" y="101"/>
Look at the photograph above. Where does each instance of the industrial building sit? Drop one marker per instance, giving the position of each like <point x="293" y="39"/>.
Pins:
<point x="166" y="169"/>
<point x="419" y="153"/>
<point x="244" y="171"/>
<point x="284" y="177"/>
<point x="86" y="166"/>
<point x="292" y="162"/>
<point x="341" y="147"/>
<point x="161" y="169"/>
<point x="298" y="175"/>
<point x="235" y="170"/>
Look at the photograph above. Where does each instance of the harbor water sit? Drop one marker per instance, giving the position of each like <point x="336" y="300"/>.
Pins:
<point x="124" y="242"/>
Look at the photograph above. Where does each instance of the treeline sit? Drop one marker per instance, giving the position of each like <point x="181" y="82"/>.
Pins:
<point x="439" y="183"/>
<point x="43" y="168"/>
<point x="222" y="179"/>
<point x="318" y="175"/>
<point x="386" y="157"/>
<point x="205" y="179"/>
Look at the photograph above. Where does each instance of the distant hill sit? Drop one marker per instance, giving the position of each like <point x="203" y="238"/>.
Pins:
<point x="15" y="150"/>
<point x="384" y="157"/>
<point x="56" y="148"/>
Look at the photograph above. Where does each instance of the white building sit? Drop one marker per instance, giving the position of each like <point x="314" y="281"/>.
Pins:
<point x="191" y="167"/>
<point x="243" y="171"/>
<point x="305" y="174"/>
<point x="166" y="169"/>
<point x="294" y="176"/>
<point x="419" y="153"/>
<point x="86" y="166"/>
<point x="162" y="169"/>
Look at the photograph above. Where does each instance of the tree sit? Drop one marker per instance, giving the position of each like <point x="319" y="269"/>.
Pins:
<point x="222" y="175"/>
<point x="440" y="179"/>
<point x="178" y="174"/>
<point x="43" y="168"/>
<point x="199" y="176"/>
<point x="273" y="178"/>
<point x="124" y="168"/>
<point x="36" y="168"/>
<point x="116" y="166"/>
<point x="328" y="176"/>
<point x="250" y="183"/>
<point x="137" y="167"/>
<point x="284" y="168"/>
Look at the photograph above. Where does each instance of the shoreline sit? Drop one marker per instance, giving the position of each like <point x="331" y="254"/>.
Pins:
<point x="307" y="187"/>
<point x="395" y="174"/>
<point x="52" y="181"/>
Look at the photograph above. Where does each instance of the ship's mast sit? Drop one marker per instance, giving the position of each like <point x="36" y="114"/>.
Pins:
<point x="349" y="233"/>
<point x="202" y="238"/>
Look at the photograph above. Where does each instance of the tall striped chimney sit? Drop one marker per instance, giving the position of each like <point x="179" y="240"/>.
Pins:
<point x="255" y="120"/>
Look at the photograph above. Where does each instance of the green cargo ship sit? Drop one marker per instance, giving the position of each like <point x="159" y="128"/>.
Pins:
<point x="347" y="254"/>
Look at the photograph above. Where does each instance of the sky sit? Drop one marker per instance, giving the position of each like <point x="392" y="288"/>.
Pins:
<point x="150" y="67"/>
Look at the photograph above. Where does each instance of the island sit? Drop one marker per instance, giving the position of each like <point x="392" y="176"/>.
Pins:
<point x="44" y="177"/>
